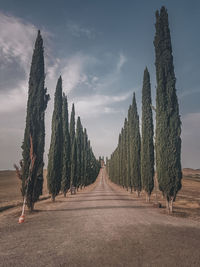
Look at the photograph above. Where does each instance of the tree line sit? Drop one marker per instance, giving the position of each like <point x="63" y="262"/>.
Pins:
<point x="71" y="162"/>
<point x="76" y="166"/>
<point x="132" y="163"/>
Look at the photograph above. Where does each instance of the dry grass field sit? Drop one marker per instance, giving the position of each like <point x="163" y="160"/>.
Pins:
<point x="187" y="203"/>
<point x="10" y="194"/>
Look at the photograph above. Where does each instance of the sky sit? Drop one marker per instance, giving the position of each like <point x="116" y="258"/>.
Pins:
<point x="100" y="48"/>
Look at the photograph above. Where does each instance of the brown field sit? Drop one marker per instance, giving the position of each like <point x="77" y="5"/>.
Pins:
<point x="10" y="194"/>
<point x="187" y="203"/>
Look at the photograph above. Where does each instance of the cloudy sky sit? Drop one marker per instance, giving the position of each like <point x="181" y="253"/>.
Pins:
<point x="100" y="47"/>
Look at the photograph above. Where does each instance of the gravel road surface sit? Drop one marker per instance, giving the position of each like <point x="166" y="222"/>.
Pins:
<point x="101" y="227"/>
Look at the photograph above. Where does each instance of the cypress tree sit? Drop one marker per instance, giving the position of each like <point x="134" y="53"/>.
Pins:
<point x="147" y="146"/>
<point x="82" y="159"/>
<point x="168" y="124"/>
<point x="35" y="128"/>
<point x="129" y="150"/>
<point x="135" y="148"/>
<point x="123" y="167"/>
<point x="72" y="125"/>
<point x="79" y="139"/>
<point x="85" y="156"/>
<point x="120" y="158"/>
<point x="72" y="138"/>
<point x="74" y="164"/>
<point x="126" y="149"/>
<point x="54" y="170"/>
<point x="65" y="183"/>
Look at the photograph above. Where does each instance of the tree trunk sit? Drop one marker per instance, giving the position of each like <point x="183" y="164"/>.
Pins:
<point x="64" y="193"/>
<point x="53" y="198"/>
<point x="167" y="206"/>
<point x="147" y="197"/>
<point x="171" y="205"/>
<point x="138" y="193"/>
<point x="131" y="190"/>
<point x="31" y="207"/>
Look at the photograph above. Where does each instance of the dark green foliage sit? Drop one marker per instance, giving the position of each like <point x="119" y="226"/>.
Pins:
<point x="147" y="146"/>
<point x="84" y="166"/>
<point x="126" y="154"/>
<point x="122" y="153"/>
<point x="74" y="164"/>
<point x="120" y="162"/>
<point x="79" y="141"/>
<point x="135" y="147"/>
<point x="65" y="183"/>
<point x="168" y="124"/>
<point x="36" y="106"/>
<point x="124" y="164"/>
<point x="85" y="156"/>
<point x="91" y="166"/>
<point x="72" y="125"/>
<point x="54" y="171"/>
<point x="73" y="144"/>
<point x="82" y="159"/>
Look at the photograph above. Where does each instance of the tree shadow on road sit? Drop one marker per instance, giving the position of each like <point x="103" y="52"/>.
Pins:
<point x="102" y="199"/>
<point x="100" y="208"/>
<point x="104" y="195"/>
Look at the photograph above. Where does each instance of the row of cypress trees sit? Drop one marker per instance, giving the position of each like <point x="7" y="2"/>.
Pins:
<point x="71" y="161"/>
<point x="132" y="162"/>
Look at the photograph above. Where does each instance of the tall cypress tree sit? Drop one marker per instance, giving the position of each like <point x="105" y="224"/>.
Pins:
<point x="73" y="144"/>
<point x="35" y="128"/>
<point x="168" y="124"/>
<point x="147" y="146"/>
<point x="130" y="182"/>
<point x="54" y="170"/>
<point x="82" y="158"/>
<point x="135" y="147"/>
<point x="65" y="183"/>
<point x="126" y="154"/>
<point x="85" y="157"/>
<point x="79" y="139"/>
<point x="119" y="159"/>
<point x="74" y="163"/>
<point x="123" y="167"/>
<point x="72" y="125"/>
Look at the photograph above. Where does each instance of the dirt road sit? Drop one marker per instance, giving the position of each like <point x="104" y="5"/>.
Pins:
<point x="101" y="227"/>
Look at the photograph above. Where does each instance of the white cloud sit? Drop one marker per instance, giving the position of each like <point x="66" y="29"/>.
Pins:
<point x="97" y="105"/>
<point x="79" y="31"/>
<point x="52" y="69"/>
<point x="122" y="60"/>
<point x="74" y="71"/>
<point x="16" y="99"/>
<point x="113" y="77"/>
<point x="17" y="40"/>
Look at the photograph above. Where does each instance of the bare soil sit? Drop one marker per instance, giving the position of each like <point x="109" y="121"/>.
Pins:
<point x="102" y="225"/>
